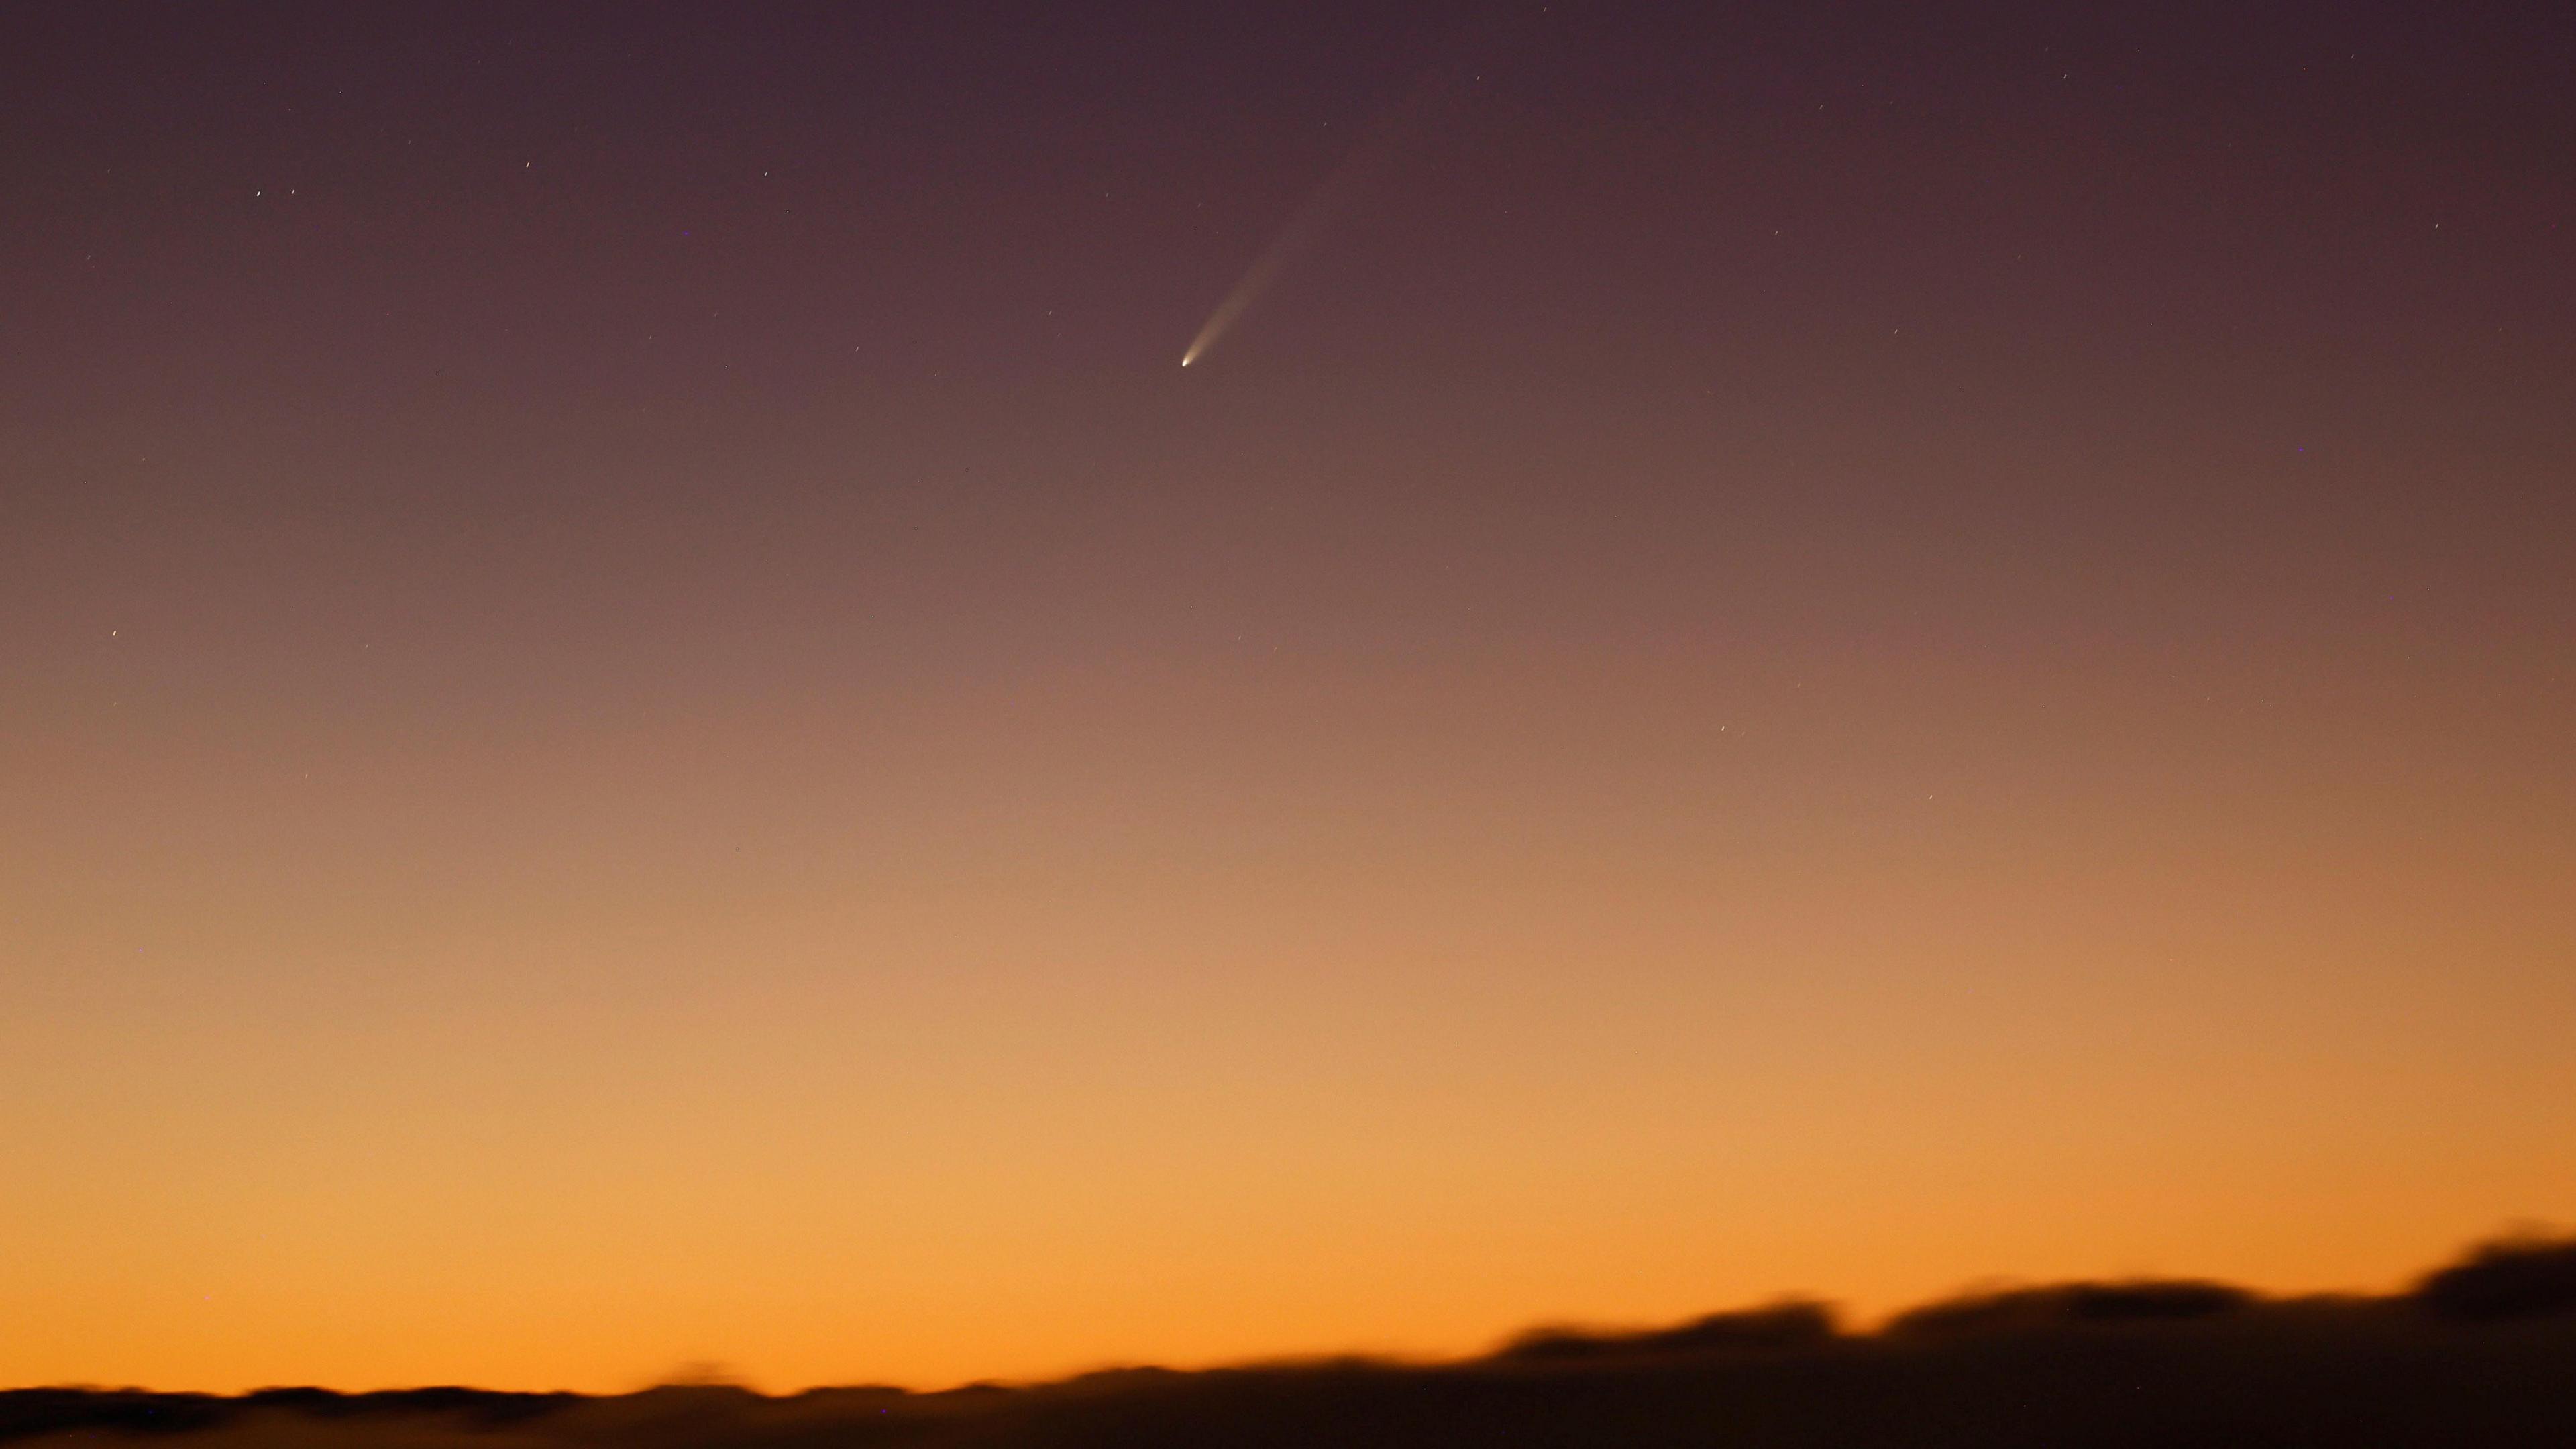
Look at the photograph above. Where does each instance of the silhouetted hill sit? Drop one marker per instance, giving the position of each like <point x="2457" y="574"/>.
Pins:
<point x="2481" y="1352"/>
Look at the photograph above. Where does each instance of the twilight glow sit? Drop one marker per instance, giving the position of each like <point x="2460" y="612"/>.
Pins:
<point x="1823" y="653"/>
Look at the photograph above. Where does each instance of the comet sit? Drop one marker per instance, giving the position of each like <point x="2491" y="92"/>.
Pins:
<point x="1374" y="153"/>
<point x="1320" y="207"/>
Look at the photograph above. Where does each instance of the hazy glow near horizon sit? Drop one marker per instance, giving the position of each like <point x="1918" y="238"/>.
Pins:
<point x="648" y="731"/>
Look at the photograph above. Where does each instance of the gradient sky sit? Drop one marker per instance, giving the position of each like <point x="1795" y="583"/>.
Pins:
<point x="1811" y="647"/>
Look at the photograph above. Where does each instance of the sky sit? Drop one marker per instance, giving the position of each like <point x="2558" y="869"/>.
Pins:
<point x="1832" y="648"/>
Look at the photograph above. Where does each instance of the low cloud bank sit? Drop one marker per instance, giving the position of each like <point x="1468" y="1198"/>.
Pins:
<point x="2481" y="1351"/>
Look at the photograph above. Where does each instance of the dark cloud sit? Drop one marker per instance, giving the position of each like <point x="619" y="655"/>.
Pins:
<point x="2518" y="1277"/>
<point x="2072" y="1303"/>
<point x="1780" y="1327"/>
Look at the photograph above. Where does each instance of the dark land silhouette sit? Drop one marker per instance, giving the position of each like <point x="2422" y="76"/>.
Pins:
<point x="2480" y="1352"/>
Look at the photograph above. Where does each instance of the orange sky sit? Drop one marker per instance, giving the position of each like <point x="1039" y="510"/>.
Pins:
<point x="1197" y="1008"/>
<point x="548" y="832"/>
